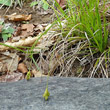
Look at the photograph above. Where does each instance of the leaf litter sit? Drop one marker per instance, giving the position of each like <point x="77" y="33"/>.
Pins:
<point x="12" y="65"/>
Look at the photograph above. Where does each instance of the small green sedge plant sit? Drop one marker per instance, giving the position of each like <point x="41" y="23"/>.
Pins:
<point x="85" y="16"/>
<point x="84" y="20"/>
<point x="46" y="93"/>
<point x="30" y="53"/>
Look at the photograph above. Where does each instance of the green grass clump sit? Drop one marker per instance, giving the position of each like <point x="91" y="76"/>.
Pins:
<point x="87" y="18"/>
<point x="87" y="25"/>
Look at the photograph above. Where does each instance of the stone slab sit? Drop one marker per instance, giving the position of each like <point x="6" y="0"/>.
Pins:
<point x="65" y="94"/>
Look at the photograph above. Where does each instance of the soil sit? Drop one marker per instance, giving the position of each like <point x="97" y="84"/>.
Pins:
<point x="38" y="15"/>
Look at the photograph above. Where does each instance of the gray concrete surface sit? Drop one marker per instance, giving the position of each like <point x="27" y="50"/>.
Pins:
<point x="65" y="94"/>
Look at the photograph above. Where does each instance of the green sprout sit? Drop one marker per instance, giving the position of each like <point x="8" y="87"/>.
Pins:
<point x="46" y="94"/>
<point x="28" y="76"/>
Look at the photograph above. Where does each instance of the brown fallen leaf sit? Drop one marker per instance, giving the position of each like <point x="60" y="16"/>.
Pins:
<point x="22" y="68"/>
<point x="9" y="61"/>
<point x="28" y="27"/>
<point x="39" y="27"/>
<point x="27" y="30"/>
<point x="11" y="77"/>
<point x="37" y="73"/>
<point x="30" y="40"/>
<point x="21" y="42"/>
<point x="3" y="68"/>
<point x="15" y="17"/>
<point x="17" y="31"/>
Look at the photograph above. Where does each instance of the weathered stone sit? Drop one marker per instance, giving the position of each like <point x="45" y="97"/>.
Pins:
<point x="65" y="94"/>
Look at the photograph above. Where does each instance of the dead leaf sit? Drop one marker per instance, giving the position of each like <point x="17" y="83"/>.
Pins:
<point x="28" y="27"/>
<point x="17" y="31"/>
<point x="21" y="42"/>
<point x="15" y="39"/>
<point x="12" y="77"/>
<point x="27" y="30"/>
<point x="22" y="68"/>
<point x="30" y="40"/>
<point x="3" y="68"/>
<point x="37" y="73"/>
<point x="15" y="17"/>
<point x="39" y="27"/>
<point x="10" y="61"/>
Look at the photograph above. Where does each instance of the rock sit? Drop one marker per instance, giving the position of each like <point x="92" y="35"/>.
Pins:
<point x="65" y="94"/>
